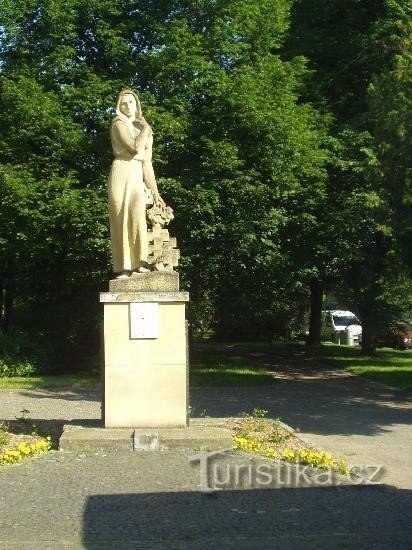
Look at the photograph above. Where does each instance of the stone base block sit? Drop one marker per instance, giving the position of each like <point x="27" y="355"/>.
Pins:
<point x="147" y="395"/>
<point x="154" y="281"/>
<point x="145" y="360"/>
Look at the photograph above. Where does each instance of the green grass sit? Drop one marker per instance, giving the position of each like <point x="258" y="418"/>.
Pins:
<point x="392" y="376"/>
<point x="208" y="368"/>
<point x="219" y="368"/>
<point x="78" y="380"/>
<point x="241" y="364"/>
<point x="233" y="364"/>
<point x="387" y="366"/>
<point x="221" y="375"/>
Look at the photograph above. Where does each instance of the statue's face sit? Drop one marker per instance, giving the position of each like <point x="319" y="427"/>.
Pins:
<point x="128" y="105"/>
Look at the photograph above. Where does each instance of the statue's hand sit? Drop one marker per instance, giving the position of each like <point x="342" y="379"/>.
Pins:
<point x="158" y="199"/>
<point x="142" y="123"/>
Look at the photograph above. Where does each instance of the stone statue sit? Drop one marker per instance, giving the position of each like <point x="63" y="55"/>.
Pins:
<point x="130" y="177"/>
<point x="134" y="199"/>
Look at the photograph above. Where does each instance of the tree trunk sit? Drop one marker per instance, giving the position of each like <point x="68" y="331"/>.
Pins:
<point x="2" y="292"/>
<point x="315" y="320"/>
<point x="8" y="310"/>
<point x="368" y="337"/>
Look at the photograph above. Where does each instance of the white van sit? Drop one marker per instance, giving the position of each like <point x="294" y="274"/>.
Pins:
<point x="335" y="322"/>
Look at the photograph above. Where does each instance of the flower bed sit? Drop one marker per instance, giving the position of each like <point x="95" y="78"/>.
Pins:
<point x="271" y="439"/>
<point x="16" y="447"/>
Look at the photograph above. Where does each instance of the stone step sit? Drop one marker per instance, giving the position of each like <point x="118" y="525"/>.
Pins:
<point x="200" y="435"/>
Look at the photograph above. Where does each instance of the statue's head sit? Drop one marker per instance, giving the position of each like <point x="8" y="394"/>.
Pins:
<point x="128" y="105"/>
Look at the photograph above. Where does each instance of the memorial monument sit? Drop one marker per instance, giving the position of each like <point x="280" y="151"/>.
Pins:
<point x="145" y="342"/>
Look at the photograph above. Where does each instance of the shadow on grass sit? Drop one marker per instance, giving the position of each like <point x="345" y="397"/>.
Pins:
<point x="212" y="368"/>
<point x="233" y="379"/>
<point x="390" y="376"/>
<point x="391" y="367"/>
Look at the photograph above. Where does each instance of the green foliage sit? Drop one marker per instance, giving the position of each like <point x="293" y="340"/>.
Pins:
<point x="221" y="89"/>
<point x="23" y="354"/>
<point x="390" y="104"/>
<point x="360" y="52"/>
<point x="380" y="279"/>
<point x="54" y="255"/>
<point x="213" y="86"/>
<point x="285" y="164"/>
<point x="15" y="366"/>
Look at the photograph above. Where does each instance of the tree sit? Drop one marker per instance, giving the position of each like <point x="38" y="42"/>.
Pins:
<point x="349" y="45"/>
<point x="251" y="148"/>
<point x="388" y="291"/>
<point x="55" y="155"/>
<point x="238" y="154"/>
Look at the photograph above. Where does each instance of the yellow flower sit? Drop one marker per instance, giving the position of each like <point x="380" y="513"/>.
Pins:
<point x="12" y="452"/>
<point x="288" y="454"/>
<point x="23" y="450"/>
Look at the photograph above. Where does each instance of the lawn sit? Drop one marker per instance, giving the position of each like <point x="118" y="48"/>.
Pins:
<point x="78" y="380"/>
<point x="247" y="364"/>
<point x="387" y="366"/>
<point x="208" y="368"/>
<point x="224" y="367"/>
<point x="214" y="364"/>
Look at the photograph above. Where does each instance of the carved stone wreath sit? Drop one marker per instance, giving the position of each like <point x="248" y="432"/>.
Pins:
<point x="163" y="254"/>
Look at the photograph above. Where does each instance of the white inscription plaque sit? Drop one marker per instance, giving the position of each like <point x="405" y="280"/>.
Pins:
<point x="144" y="320"/>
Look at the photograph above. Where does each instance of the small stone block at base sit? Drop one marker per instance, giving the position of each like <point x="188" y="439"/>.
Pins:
<point x="153" y="281"/>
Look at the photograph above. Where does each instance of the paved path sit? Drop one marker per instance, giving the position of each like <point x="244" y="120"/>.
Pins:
<point x="153" y="500"/>
<point x="366" y="423"/>
<point x="145" y="500"/>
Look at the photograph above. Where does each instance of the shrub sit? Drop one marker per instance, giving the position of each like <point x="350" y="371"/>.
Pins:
<point x="23" y="354"/>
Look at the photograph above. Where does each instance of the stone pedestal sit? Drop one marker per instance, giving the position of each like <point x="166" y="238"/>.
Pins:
<point x="145" y="352"/>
